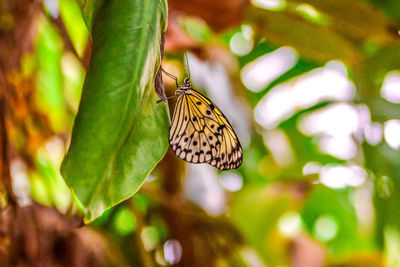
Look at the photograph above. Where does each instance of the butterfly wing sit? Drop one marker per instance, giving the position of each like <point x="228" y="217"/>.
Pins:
<point x="229" y="151"/>
<point x="200" y="133"/>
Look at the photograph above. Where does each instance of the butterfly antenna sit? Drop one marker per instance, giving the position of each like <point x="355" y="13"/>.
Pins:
<point x="171" y="76"/>
<point x="187" y="64"/>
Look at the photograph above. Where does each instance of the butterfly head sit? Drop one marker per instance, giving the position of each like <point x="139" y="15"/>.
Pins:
<point x="184" y="86"/>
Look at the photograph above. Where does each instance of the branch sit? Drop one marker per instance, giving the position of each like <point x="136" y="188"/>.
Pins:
<point x="5" y="179"/>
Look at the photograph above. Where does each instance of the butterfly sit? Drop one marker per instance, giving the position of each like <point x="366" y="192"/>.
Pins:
<point x="200" y="132"/>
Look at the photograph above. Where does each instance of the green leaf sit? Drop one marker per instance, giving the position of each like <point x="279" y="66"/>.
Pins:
<point x="73" y="22"/>
<point x="120" y="132"/>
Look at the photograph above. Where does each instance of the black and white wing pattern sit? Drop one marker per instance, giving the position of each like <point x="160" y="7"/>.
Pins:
<point x="200" y="133"/>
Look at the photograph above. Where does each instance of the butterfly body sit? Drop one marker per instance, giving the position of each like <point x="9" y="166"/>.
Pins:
<point x="200" y="133"/>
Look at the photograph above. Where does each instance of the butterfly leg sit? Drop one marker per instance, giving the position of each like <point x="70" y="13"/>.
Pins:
<point x="171" y="76"/>
<point x="166" y="99"/>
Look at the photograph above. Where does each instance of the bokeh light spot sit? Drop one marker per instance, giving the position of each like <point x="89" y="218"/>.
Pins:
<point x="124" y="221"/>
<point x="52" y="6"/>
<point x="270" y="4"/>
<point x="338" y="119"/>
<point x="289" y="224"/>
<point x="283" y="100"/>
<point x="150" y="237"/>
<point x="312" y="168"/>
<point x="335" y="125"/>
<point x="373" y="133"/>
<point x="342" y="176"/>
<point x="310" y="13"/>
<point x="242" y="42"/>
<point x="21" y="185"/>
<point x="391" y="87"/>
<point x="392" y="133"/>
<point x="258" y="74"/>
<point x="172" y="251"/>
<point x="342" y="147"/>
<point x="231" y="181"/>
<point x="325" y="228"/>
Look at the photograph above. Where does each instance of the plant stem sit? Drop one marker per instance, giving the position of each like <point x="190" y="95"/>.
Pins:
<point x="147" y="261"/>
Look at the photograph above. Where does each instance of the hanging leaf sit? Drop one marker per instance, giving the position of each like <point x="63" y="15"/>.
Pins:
<point x="120" y="132"/>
